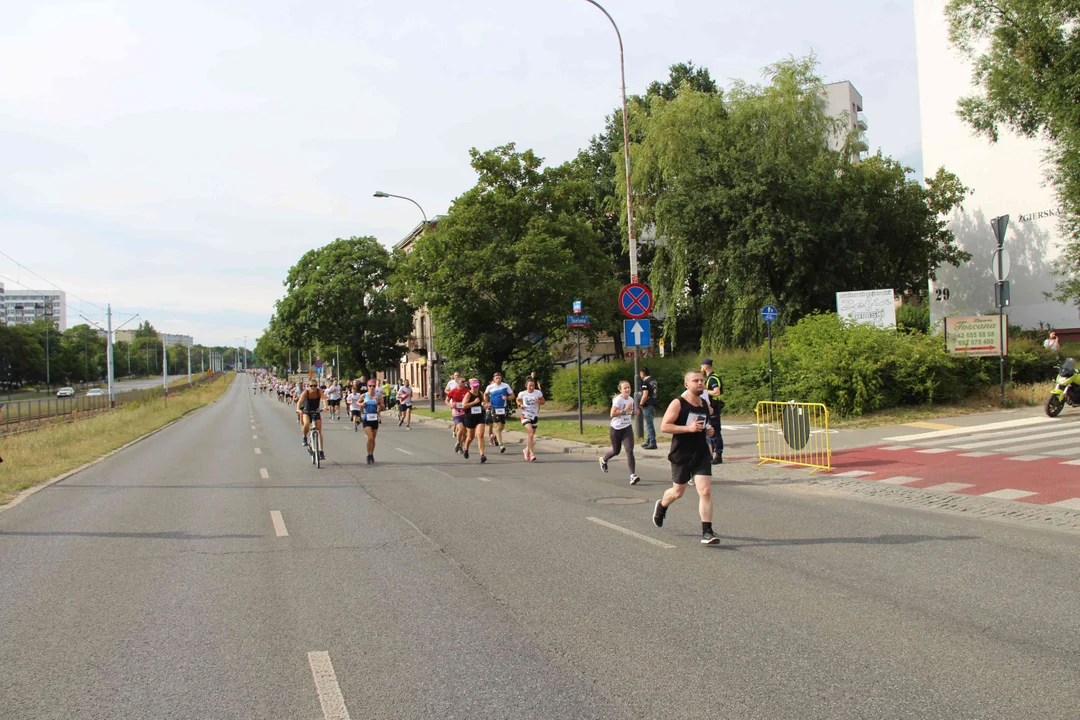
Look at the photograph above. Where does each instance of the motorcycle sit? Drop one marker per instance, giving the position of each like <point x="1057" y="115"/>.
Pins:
<point x="1067" y="390"/>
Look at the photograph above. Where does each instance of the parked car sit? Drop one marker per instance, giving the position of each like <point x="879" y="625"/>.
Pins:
<point x="65" y="392"/>
<point x="95" y="392"/>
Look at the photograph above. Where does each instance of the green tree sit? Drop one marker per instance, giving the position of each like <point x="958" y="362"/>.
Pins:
<point x="22" y="358"/>
<point x="501" y="271"/>
<point x="1026" y="68"/>
<point x="338" y="295"/>
<point x="753" y="207"/>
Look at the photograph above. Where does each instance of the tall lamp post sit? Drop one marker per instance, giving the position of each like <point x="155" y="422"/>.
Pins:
<point x="430" y="325"/>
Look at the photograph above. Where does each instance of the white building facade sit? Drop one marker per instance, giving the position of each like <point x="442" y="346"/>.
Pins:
<point x="24" y="307"/>
<point x="840" y="98"/>
<point x="1006" y="178"/>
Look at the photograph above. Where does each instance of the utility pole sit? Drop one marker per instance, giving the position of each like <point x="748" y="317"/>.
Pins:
<point x="48" y="378"/>
<point x="188" y="364"/>
<point x="164" y="366"/>
<point x="109" y="352"/>
<point x="202" y="365"/>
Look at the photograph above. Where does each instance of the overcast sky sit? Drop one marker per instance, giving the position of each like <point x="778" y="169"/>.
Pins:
<point x="174" y="159"/>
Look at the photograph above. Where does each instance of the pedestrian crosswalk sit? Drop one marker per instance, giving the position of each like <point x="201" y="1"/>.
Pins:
<point x="1023" y="439"/>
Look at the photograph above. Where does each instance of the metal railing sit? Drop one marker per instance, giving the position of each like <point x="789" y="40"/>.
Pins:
<point x="794" y="433"/>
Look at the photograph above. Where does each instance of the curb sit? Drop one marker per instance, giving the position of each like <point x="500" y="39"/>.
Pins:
<point x="23" y="494"/>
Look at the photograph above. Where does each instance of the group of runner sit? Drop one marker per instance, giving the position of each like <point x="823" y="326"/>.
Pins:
<point x="481" y="415"/>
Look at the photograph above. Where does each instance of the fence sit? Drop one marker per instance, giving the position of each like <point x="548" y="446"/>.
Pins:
<point x="794" y="434"/>
<point x="22" y="415"/>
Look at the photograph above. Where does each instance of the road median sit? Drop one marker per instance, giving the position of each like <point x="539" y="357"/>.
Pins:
<point x="35" y="457"/>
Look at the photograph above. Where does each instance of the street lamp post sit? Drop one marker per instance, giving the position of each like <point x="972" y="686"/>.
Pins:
<point x="431" y="326"/>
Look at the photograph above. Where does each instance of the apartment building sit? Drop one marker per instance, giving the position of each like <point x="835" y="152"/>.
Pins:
<point x="23" y="307"/>
<point x="840" y="98"/>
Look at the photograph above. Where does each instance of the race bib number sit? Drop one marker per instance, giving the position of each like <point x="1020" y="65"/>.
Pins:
<point x="372" y="417"/>
<point x="500" y="411"/>
<point x="457" y="405"/>
<point x="694" y="418"/>
<point x="476" y="409"/>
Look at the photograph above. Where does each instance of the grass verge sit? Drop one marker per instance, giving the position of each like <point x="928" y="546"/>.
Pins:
<point x="34" y="457"/>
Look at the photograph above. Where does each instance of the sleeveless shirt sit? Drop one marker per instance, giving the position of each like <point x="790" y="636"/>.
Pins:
<point x="690" y="448"/>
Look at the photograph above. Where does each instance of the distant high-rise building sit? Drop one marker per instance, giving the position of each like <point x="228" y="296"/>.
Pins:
<point x="842" y="97"/>
<point x="23" y="307"/>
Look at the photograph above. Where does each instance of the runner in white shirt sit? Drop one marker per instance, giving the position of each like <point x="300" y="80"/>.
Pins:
<point x="529" y="400"/>
<point x="333" y="398"/>
<point x="356" y="405"/>
<point x="621" y="431"/>
<point x="404" y="396"/>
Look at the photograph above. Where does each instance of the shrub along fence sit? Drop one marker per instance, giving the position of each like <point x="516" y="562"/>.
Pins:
<point x="852" y="369"/>
<point x="23" y="415"/>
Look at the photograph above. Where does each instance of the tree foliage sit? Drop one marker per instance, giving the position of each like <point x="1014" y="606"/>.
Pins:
<point x="1026" y="58"/>
<point x="753" y="207"/>
<point x="499" y="273"/>
<point x="338" y="296"/>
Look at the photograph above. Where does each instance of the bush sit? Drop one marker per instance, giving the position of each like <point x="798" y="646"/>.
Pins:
<point x="1028" y="361"/>
<point x="913" y="318"/>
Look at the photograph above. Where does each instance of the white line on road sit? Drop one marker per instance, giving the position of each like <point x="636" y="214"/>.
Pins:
<point x="854" y="473"/>
<point x="631" y="533"/>
<point x="484" y="479"/>
<point x="950" y="487"/>
<point x="1022" y="440"/>
<point x="252" y="427"/>
<point x="435" y="469"/>
<point x="899" y="480"/>
<point x="279" y="523"/>
<point x="254" y="437"/>
<point x="1026" y="458"/>
<point x="264" y="474"/>
<point x="330" y="697"/>
<point x="976" y="454"/>
<point x="258" y="451"/>
<point x="1009" y="494"/>
<point x="401" y="450"/>
<point x="933" y="451"/>
<point x="1070" y="504"/>
<point x="897" y="447"/>
<point x="1023" y="422"/>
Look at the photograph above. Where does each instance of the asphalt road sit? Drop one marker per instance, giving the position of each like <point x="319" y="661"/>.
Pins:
<point x="160" y="584"/>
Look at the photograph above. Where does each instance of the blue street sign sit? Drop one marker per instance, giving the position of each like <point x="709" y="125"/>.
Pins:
<point x="577" y="307"/>
<point x="577" y="321"/>
<point x="769" y="313"/>
<point x="636" y="333"/>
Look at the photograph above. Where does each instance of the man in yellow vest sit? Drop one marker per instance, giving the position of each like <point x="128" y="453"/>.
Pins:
<point x="714" y="389"/>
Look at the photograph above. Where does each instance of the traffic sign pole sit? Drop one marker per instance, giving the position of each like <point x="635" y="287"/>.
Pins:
<point x="769" y="313"/>
<point x="580" y="412"/>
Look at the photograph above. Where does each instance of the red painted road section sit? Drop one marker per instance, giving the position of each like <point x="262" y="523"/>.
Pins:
<point x="1052" y="480"/>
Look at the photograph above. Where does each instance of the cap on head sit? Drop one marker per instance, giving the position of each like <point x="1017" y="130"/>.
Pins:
<point x="707" y="361"/>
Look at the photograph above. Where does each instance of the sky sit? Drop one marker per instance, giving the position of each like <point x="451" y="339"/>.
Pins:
<point x="175" y="159"/>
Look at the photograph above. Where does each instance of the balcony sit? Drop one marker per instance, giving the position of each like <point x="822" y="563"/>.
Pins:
<point x="860" y="122"/>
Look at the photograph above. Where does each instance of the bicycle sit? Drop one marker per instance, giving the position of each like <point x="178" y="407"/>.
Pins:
<point x="314" y="445"/>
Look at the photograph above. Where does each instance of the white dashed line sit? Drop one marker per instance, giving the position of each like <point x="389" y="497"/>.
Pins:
<point x="899" y="480"/>
<point x="1070" y="504"/>
<point x="950" y="487"/>
<point x="897" y="447"/>
<point x="1025" y="458"/>
<point x="402" y="450"/>
<point x="254" y="437"/>
<point x="435" y="469"/>
<point x="854" y="473"/>
<point x="279" y="523"/>
<point x="252" y="427"/>
<point x="1071" y="462"/>
<point x="631" y="533"/>
<point x="484" y="479"/>
<point x="264" y="474"/>
<point x="976" y="454"/>
<point x="258" y="451"/>
<point x="326" y="684"/>
<point x="1008" y="494"/>
<point x="933" y="451"/>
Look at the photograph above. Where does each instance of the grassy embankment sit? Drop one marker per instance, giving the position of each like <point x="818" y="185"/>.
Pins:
<point x="34" y="457"/>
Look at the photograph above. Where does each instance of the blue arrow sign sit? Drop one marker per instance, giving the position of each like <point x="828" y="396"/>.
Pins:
<point x="769" y="313"/>
<point x="636" y="333"/>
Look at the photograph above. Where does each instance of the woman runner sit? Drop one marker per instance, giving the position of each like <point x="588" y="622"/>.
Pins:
<point x="473" y="404"/>
<point x="529" y="400"/>
<point x="621" y="431"/>
<point x="372" y="406"/>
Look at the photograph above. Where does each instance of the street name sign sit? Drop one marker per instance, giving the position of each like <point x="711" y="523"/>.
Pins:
<point x="577" y="321"/>
<point x="637" y="333"/>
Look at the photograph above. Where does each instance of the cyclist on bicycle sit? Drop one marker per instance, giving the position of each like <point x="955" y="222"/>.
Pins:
<point x="309" y="403"/>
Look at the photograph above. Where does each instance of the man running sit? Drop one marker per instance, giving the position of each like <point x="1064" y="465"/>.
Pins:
<point x="309" y="403"/>
<point x="687" y="420"/>
<point x="356" y="408"/>
<point x="404" y="397"/>
<point x="496" y="395"/>
<point x="529" y="400"/>
<point x="372" y="406"/>
<point x="454" y="397"/>
<point x="333" y="398"/>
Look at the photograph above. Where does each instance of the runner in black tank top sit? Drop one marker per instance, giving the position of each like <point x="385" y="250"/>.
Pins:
<point x="686" y="419"/>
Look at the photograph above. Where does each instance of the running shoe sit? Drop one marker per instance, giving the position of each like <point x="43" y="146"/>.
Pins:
<point x="525" y="452"/>
<point x="466" y="453"/>
<point x="532" y="457"/>
<point x="401" y="422"/>
<point x="494" y="441"/>
<point x="709" y="538"/>
<point x="457" y="447"/>
<point x="354" y="426"/>
<point x="502" y="449"/>
<point x="603" y="464"/>
<point x="635" y="479"/>
<point x="304" y="442"/>
<point x="322" y="455"/>
<point x="483" y="459"/>
<point x="658" y="513"/>
<point x="370" y="459"/>
<point x="690" y="481"/>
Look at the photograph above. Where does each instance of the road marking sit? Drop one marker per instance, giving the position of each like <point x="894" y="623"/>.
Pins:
<point x="1009" y="494"/>
<point x="1022" y="422"/>
<point x="899" y="480"/>
<point x="279" y="523"/>
<point x="264" y="474"/>
<point x="1019" y="440"/>
<point x="1025" y="458"/>
<point x="252" y="427"/>
<point x="254" y="437"/>
<point x="631" y="533"/>
<point x="950" y="487"/>
<point x="326" y="684"/>
<point x="258" y="451"/>
<point x="484" y="479"/>
<point x="1071" y="462"/>
<point x="933" y="451"/>
<point x="854" y="473"/>
<point x="1070" y="504"/>
<point x="897" y="447"/>
<point x="435" y="469"/>
<point x="930" y="425"/>
<point x="402" y="450"/>
<point x="1066" y="452"/>
<point x="976" y="454"/>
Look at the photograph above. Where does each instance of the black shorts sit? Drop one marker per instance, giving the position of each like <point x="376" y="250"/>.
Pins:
<point x="530" y="421"/>
<point x="314" y="415"/>
<point x="473" y="421"/>
<point x="492" y="418"/>
<point x="334" y="403"/>
<point x="681" y="474"/>
<point x="356" y="413"/>
<point x="406" y="405"/>
<point x="370" y="424"/>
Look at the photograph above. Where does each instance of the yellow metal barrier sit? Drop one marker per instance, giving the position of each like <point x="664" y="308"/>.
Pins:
<point x="794" y="434"/>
